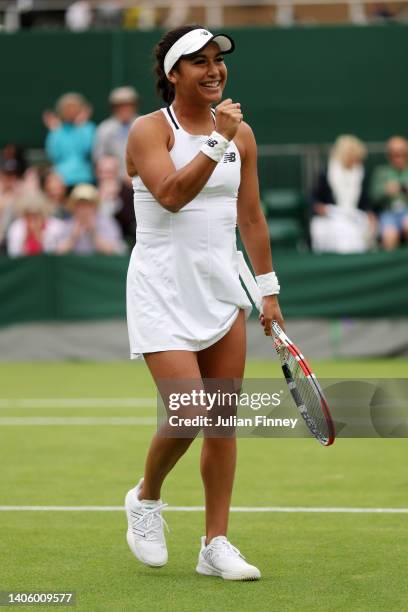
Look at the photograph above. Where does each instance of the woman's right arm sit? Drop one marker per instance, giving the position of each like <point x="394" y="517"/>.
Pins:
<point x="148" y="152"/>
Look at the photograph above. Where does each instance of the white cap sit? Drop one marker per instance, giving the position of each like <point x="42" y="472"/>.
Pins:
<point x="194" y="41"/>
<point x="83" y="191"/>
<point x="123" y="95"/>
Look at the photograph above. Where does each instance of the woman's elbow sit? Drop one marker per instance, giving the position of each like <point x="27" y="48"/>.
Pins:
<point x="170" y="203"/>
<point x="174" y="194"/>
<point x="172" y="200"/>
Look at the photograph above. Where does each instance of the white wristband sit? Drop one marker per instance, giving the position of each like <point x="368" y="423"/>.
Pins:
<point x="215" y="146"/>
<point x="268" y="284"/>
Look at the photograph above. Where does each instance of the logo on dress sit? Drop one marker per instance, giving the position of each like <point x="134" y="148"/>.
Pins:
<point x="229" y="157"/>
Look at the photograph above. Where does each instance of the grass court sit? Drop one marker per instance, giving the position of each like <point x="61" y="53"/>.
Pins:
<point x="309" y="560"/>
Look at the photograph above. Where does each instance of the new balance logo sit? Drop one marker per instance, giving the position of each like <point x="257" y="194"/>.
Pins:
<point x="211" y="143"/>
<point x="204" y="33"/>
<point x="229" y="157"/>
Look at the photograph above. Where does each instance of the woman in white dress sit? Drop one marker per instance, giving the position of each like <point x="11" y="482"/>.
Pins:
<point x="343" y="221"/>
<point x="194" y="175"/>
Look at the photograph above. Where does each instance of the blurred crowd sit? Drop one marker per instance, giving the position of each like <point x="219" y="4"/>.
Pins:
<point x="353" y="213"/>
<point x="82" y="201"/>
<point x="83" y="15"/>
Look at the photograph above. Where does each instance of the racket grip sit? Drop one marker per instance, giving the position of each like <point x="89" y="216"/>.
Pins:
<point x="249" y="282"/>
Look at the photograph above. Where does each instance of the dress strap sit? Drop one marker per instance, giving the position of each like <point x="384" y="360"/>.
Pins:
<point x="213" y="114"/>
<point x="168" y="113"/>
<point x="171" y="118"/>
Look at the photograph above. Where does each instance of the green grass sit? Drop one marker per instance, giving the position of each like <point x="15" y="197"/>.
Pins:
<point x="315" y="562"/>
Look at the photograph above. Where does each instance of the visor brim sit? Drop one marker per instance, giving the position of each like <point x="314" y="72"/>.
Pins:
<point x="225" y="43"/>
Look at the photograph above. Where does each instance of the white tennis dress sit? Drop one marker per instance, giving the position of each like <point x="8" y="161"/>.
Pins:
<point x="183" y="287"/>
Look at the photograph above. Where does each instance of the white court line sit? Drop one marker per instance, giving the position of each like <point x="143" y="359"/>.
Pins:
<point x="290" y="509"/>
<point x="78" y="402"/>
<point x="76" y="421"/>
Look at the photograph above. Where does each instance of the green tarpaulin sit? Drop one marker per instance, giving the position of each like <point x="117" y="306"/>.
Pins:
<point x="48" y="288"/>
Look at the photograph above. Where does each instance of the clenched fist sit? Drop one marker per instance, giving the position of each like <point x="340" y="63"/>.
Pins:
<point x="228" y="116"/>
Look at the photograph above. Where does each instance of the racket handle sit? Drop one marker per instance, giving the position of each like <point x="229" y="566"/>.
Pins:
<point x="249" y="282"/>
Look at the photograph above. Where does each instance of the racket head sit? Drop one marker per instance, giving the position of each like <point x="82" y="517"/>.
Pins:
<point x="304" y="388"/>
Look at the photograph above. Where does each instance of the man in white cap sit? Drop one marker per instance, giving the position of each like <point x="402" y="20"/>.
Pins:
<point x="88" y="231"/>
<point x="111" y="135"/>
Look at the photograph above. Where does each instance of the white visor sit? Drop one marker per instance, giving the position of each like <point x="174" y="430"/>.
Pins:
<point x="195" y="41"/>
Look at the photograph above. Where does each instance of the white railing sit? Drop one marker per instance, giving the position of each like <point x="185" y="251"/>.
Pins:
<point x="310" y="156"/>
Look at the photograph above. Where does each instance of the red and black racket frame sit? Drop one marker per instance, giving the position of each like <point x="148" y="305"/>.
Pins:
<point x="293" y="349"/>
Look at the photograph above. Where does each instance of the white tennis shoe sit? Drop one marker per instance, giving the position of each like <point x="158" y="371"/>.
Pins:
<point x="221" y="558"/>
<point x="145" y="534"/>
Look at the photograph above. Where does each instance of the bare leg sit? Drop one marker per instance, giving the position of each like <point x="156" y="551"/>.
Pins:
<point x="226" y="360"/>
<point x="390" y="238"/>
<point x="164" y="452"/>
<point x="218" y="461"/>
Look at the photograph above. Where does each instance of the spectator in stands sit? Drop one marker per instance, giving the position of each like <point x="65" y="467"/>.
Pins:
<point x="14" y="152"/>
<point x="111" y="134"/>
<point x="34" y="231"/>
<point x="109" y="14"/>
<point x="116" y="196"/>
<point x="342" y="220"/>
<point x="70" y="139"/>
<point x="382" y="12"/>
<point x="142" y="17"/>
<point x="56" y="192"/>
<point x="89" y="231"/>
<point x="389" y="193"/>
<point x="78" y="16"/>
<point x="10" y="189"/>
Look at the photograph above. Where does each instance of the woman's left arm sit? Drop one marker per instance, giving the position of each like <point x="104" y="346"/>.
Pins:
<point x="252" y="223"/>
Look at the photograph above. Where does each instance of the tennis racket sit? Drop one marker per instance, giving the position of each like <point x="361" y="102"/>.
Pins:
<point x="303" y="384"/>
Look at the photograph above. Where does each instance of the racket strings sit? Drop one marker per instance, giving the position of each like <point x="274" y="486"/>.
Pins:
<point x="305" y="394"/>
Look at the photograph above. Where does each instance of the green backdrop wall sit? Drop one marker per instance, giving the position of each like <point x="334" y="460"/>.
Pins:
<point x="49" y="288"/>
<point x="296" y="85"/>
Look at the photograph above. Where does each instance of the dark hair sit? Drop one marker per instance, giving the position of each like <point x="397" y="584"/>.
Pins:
<point x="164" y="88"/>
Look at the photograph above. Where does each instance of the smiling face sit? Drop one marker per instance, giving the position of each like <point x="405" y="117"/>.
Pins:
<point x="202" y="76"/>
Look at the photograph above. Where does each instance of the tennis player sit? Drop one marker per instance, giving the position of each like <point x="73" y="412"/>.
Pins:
<point x="194" y="172"/>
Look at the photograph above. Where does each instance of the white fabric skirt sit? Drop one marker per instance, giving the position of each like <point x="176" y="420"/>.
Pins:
<point x="179" y="303"/>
